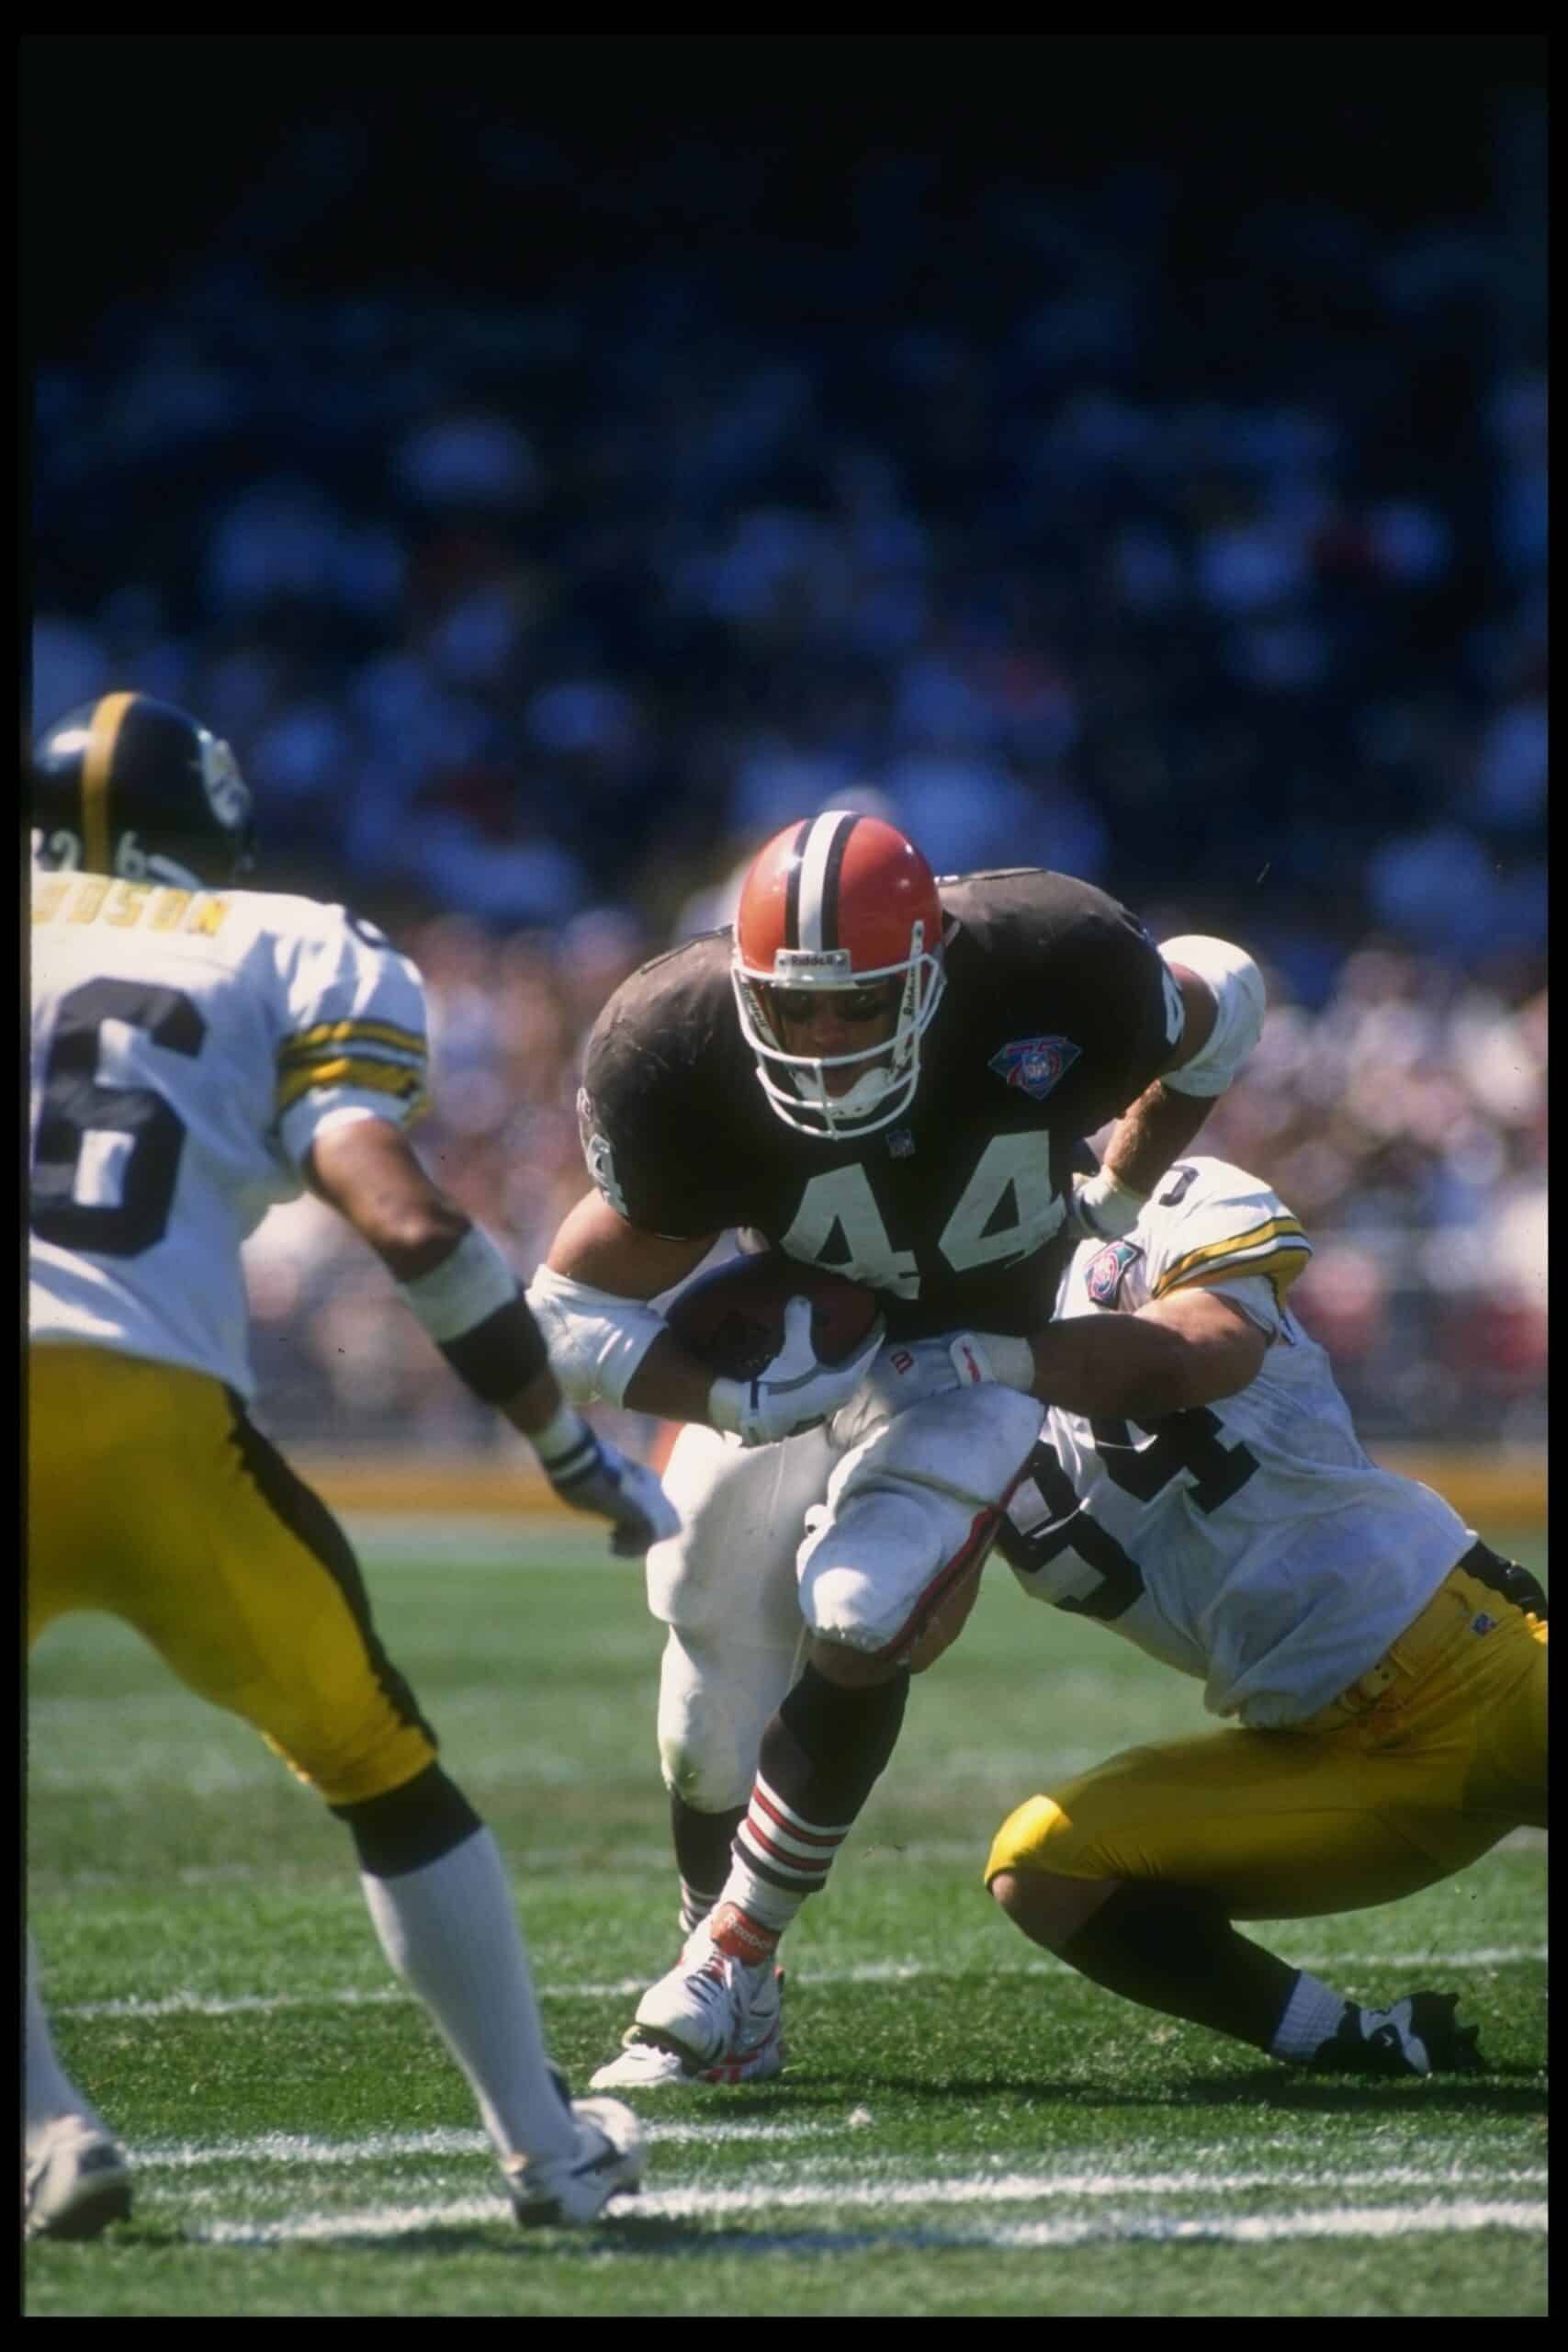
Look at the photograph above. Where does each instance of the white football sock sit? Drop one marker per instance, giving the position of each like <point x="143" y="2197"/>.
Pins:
<point x="769" y="1906"/>
<point x="450" y="1932"/>
<point x="798" y="1855"/>
<point x="49" y="2089"/>
<point x="1311" y="2017"/>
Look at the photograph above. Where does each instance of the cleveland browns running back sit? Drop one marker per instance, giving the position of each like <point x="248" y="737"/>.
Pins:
<point x="894" y="1077"/>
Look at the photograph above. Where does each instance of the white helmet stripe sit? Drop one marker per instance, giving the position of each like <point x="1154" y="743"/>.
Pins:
<point x="818" y="915"/>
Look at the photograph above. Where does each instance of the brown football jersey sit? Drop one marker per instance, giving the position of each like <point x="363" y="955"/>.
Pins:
<point x="1058" y="1012"/>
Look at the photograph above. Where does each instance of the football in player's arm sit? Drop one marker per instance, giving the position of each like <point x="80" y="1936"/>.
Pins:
<point x="198" y="1053"/>
<point x="1199" y="1489"/>
<point x="892" y="1079"/>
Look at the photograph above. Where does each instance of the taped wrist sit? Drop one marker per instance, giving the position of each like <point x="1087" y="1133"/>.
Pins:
<point x="1240" y="1001"/>
<point x="727" y="1403"/>
<point x="567" y="1447"/>
<point x="1008" y="1361"/>
<point x="473" y="1309"/>
<point x="1106" y="1205"/>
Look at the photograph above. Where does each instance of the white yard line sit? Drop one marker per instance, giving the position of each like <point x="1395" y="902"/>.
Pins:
<point x="872" y="1972"/>
<point x="825" y="2182"/>
<point x="377" y="2147"/>
<point x="1431" y="2217"/>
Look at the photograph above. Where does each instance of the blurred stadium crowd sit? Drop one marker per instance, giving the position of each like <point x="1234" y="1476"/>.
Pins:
<point x="1214" y="572"/>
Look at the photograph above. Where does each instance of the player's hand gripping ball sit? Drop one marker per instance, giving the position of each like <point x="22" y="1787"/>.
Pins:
<point x="799" y="1338"/>
<point x="732" y="1319"/>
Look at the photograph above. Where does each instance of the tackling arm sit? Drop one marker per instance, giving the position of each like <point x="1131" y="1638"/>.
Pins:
<point x="460" y="1289"/>
<point x="1187" y="1348"/>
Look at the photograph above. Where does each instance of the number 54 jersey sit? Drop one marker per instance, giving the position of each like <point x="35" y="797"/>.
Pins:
<point x="185" y="1048"/>
<point x="1251" y="1543"/>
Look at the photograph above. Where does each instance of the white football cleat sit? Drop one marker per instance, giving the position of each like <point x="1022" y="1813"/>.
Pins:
<point x="78" y="2180"/>
<point x="720" y="2019"/>
<point x="638" y="2065"/>
<point x="570" y="2191"/>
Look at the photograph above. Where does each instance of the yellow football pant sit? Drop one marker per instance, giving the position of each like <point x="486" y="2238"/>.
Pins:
<point x="1428" y="1761"/>
<point x="153" y="1497"/>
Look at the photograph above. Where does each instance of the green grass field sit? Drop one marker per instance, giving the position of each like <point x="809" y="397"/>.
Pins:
<point x="965" y="2127"/>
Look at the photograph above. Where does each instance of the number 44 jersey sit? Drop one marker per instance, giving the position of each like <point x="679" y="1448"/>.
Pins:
<point x="1058" y="1010"/>
<point x="1252" y="1542"/>
<point x="186" y="1045"/>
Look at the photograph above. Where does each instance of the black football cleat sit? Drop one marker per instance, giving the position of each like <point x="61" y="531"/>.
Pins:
<point x="1419" y="2035"/>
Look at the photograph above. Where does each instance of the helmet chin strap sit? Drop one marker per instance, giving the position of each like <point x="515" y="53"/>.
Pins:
<point x="855" y="1102"/>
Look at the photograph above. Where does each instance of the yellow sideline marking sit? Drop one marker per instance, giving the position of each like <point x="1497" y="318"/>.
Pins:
<point x="1481" y="1484"/>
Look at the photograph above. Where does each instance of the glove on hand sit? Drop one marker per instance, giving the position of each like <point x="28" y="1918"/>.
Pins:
<point x="595" y="1476"/>
<point x="796" y="1391"/>
<point x="1103" y="1208"/>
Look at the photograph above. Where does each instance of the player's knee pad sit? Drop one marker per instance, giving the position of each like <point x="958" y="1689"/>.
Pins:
<point x="408" y="1826"/>
<point x="910" y="1512"/>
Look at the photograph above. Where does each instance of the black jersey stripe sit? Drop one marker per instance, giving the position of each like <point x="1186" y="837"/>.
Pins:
<point x="792" y="893"/>
<point x="309" y="1521"/>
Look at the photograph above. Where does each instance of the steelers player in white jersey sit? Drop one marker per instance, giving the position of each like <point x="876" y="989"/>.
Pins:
<point x="199" y="1052"/>
<point x="1198" y="1488"/>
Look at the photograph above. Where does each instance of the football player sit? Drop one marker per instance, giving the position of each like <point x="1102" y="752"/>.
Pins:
<point x="199" y="1052"/>
<point x="1198" y="1488"/>
<point x="889" y="1078"/>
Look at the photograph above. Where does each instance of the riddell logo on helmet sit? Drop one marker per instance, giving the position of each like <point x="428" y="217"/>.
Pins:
<point x="793" y="960"/>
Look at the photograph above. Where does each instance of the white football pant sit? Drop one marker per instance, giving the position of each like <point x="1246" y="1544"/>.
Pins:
<point x="850" y="1533"/>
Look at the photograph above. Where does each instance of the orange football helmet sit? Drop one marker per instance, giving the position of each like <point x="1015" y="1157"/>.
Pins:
<point x="840" y="904"/>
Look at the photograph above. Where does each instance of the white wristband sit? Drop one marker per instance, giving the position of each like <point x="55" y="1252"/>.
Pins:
<point x="466" y="1288"/>
<point x="726" y="1401"/>
<point x="561" y="1436"/>
<point x="1105" y="1208"/>
<point x="1010" y="1361"/>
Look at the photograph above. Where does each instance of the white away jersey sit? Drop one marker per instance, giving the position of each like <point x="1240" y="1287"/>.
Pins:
<point x="1251" y="1543"/>
<point x="186" y="1048"/>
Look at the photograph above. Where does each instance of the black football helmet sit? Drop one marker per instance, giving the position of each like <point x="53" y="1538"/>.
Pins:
<point x="132" y="787"/>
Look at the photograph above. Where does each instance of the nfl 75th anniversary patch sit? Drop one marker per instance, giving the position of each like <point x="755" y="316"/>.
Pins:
<point x="1106" y="1273"/>
<point x="1035" y="1064"/>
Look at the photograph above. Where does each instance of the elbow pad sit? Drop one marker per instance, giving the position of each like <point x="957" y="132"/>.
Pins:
<point x="1240" y="1003"/>
<point x="596" y="1341"/>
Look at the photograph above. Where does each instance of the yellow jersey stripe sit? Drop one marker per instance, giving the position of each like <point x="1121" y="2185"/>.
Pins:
<point x="376" y="1078"/>
<point x="383" y="1057"/>
<point x="1279" y="1267"/>
<point x="96" y="760"/>
<point x="1258" y="1238"/>
<point x="342" y="1033"/>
